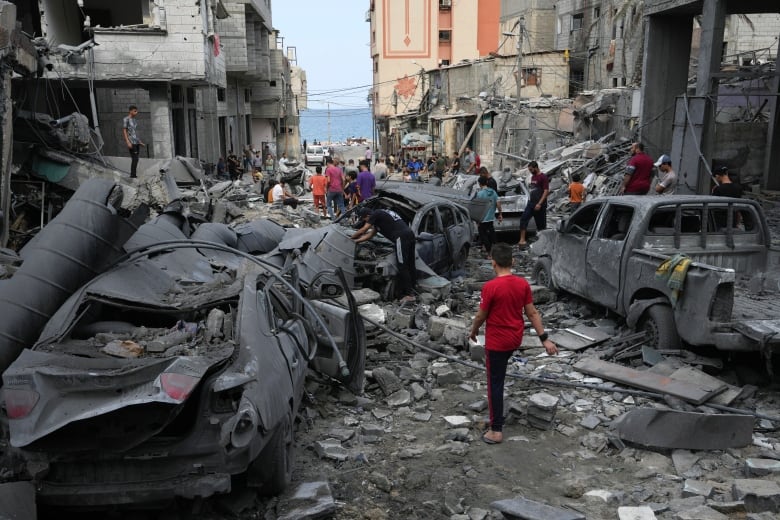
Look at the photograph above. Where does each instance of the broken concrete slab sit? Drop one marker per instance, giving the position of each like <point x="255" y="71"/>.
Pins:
<point x="579" y="337"/>
<point x="684" y="430"/>
<point x="636" y="513"/>
<point x="700" y="513"/>
<point x="17" y="501"/>
<point x="761" y="467"/>
<point x="695" y="393"/>
<point x="310" y="500"/>
<point x="692" y="375"/>
<point x="758" y="495"/>
<point x="522" y="508"/>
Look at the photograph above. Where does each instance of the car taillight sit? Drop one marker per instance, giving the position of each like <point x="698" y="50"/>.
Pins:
<point x="19" y="403"/>
<point x="178" y="386"/>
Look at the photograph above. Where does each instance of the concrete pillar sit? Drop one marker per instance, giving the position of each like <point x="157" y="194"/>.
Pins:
<point x="664" y="77"/>
<point x="713" y="25"/>
<point x="162" y="125"/>
<point x="7" y="25"/>
<point x="771" y="173"/>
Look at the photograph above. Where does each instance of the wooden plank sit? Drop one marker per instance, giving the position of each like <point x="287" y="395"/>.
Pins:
<point x="645" y="380"/>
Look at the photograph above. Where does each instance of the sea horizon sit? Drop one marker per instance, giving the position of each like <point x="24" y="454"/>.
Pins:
<point x="336" y="125"/>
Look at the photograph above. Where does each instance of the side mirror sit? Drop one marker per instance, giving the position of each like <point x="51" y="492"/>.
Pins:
<point x="425" y="237"/>
<point x="561" y="226"/>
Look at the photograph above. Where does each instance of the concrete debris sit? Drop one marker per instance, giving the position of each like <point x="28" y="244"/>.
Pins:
<point x="310" y="500"/>
<point x="636" y="513"/>
<point x="684" y="430"/>
<point x="758" y="495"/>
<point x="522" y="508"/>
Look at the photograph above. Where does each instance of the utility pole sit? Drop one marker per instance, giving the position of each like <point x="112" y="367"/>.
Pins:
<point x="520" y="31"/>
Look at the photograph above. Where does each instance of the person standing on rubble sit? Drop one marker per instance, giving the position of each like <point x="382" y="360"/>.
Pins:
<point x="335" y="193"/>
<point x="487" y="233"/>
<point x="318" y="184"/>
<point x="537" y="202"/>
<point x="130" y="133"/>
<point x="668" y="182"/>
<point x="491" y="182"/>
<point x="503" y="302"/>
<point x="366" y="182"/>
<point x="469" y="161"/>
<point x="393" y="228"/>
<point x="636" y="180"/>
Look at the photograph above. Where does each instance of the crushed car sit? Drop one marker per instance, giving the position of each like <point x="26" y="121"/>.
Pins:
<point x="176" y="370"/>
<point x="444" y="232"/>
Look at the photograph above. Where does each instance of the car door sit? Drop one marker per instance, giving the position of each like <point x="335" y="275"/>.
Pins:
<point x="457" y="232"/>
<point x="431" y="242"/>
<point x="605" y="254"/>
<point x="568" y="267"/>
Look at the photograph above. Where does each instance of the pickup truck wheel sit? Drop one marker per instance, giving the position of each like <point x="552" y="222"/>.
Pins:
<point x="659" y="328"/>
<point x="272" y="469"/>
<point x="542" y="272"/>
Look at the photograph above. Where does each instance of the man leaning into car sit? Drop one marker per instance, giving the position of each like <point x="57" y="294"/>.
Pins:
<point x="393" y="228"/>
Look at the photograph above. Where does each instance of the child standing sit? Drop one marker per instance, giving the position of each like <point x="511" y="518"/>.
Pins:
<point x="500" y="306"/>
<point x="576" y="192"/>
<point x="351" y="191"/>
<point x="318" y="184"/>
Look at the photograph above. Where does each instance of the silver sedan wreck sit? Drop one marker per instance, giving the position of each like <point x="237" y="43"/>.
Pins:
<point x="174" y="371"/>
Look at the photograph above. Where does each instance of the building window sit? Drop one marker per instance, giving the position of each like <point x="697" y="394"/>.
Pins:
<point x="445" y="4"/>
<point x="532" y="77"/>
<point x="191" y="96"/>
<point x="220" y="94"/>
<point x="577" y="21"/>
<point x="376" y="65"/>
<point x="596" y="12"/>
<point x="247" y="95"/>
<point x="445" y="36"/>
<point x="444" y="63"/>
<point x="272" y="83"/>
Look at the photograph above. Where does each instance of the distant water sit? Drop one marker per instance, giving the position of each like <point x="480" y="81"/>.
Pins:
<point x="344" y="123"/>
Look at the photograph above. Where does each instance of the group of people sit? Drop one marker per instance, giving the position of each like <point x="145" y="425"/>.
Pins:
<point x="339" y="187"/>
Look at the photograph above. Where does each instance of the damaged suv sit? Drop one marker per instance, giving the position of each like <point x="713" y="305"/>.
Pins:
<point x="173" y="372"/>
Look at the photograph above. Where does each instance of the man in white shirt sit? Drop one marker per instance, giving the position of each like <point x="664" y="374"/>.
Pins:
<point x="283" y="197"/>
<point x="667" y="183"/>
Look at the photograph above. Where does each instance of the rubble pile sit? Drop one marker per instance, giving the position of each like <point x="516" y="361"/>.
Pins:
<point x="425" y="407"/>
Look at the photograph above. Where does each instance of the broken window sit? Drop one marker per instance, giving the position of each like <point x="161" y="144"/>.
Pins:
<point x="129" y="13"/>
<point x="743" y="219"/>
<point x="577" y="21"/>
<point x="429" y="224"/>
<point x="532" y="76"/>
<point x="618" y="223"/>
<point x="447" y="217"/>
<point x="582" y="222"/>
<point x="445" y="36"/>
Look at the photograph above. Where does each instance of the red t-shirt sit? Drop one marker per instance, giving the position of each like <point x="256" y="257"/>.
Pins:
<point x="504" y="298"/>
<point x="319" y="185"/>
<point x="641" y="165"/>
<point x="335" y="179"/>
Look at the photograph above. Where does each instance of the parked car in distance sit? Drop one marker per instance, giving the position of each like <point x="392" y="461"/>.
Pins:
<point x="315" y="154"/>
<point x="610" y="249"/>
<point x="171" y="374"/>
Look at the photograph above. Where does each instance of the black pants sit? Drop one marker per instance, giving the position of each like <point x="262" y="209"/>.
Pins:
<point x="290" y="202"/>
<point x="135" y="151"/>
<point x="540" y="216"/>
<point x="407" y="272"/>
<point x="495" y="363"/>
<point x="487" y="235"/>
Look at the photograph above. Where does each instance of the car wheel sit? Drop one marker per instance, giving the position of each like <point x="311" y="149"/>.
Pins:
<point x="272" y="469"/>
<point x="659" y="327"/>
<point x="542" y="272"/>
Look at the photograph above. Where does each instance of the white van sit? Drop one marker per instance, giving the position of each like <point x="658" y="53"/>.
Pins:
<point x="315" y="154"/>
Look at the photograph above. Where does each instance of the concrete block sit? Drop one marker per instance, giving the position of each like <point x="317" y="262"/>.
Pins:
<point x="403" y="319"/>
<point x="761" y="467"/>
<point x="448" y="376"/>
<point x="331" y="449"/>
<point x="693" y="487"/>
<point x="437" y="326"/>
<point x="310" y="500"/>
<point x="758" y="495"/>
<point x="636" y="513"/>
<point x="700" y="513"/>
<point x="17" y="500"/>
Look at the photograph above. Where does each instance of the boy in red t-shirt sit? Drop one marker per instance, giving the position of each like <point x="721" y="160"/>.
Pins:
<point x="503" y="301"/>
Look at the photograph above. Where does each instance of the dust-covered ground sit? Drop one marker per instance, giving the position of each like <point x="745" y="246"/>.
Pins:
<point x="410" y="446"/>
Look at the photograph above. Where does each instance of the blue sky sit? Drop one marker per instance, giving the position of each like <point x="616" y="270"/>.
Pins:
<point x="331" y="39"/>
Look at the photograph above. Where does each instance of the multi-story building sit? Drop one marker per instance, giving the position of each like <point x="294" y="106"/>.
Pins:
<point x="412" y="37"/>
<point x="206" y="75"/>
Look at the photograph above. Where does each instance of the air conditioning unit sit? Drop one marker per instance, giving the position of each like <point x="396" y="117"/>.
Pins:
<point x="445" y="4"/>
